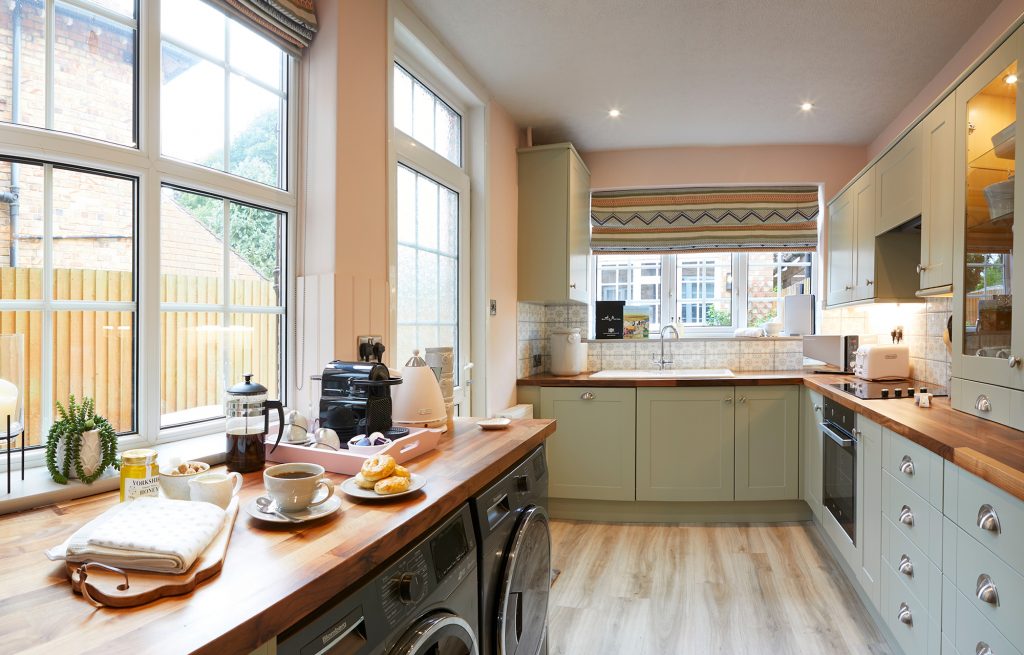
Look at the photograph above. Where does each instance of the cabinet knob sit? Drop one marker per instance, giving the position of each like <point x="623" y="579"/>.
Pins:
<point x="727" y="399"/>
<point x="983" y="404"/>
<point x="848" y="287"/>
<point x="907" y="466"/>
<point x="1014" y="361"/>
<point x="587" y="395"/>
<point x="987" y="592"/>
<point x="907" y="516"/>
<point x="743" y="399"/>
<point x="869" y="282"/>
<point x="982" y="649"/>
<point x="817" y="408"/>
<point x="921" y="268"/>
<point x="904" y="615"/>
<point x="572" y="285"/>
<point x="906" y="567"/>
<point x="988" y="519"/>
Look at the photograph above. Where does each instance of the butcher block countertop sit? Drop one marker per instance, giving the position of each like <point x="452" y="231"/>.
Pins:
<point x="989" y="450"/>
<point x="273" y="575"/>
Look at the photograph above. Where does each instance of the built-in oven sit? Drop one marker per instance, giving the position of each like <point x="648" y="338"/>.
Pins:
<point x="839" y="465"/>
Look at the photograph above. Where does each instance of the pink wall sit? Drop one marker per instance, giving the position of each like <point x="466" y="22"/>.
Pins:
<point x="832" y="166"/>
<point x="502" y="234"/>
<point x="1000" y="19"/>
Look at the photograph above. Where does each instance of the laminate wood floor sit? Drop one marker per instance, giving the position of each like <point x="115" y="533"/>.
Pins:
<point x="686" y="589"/>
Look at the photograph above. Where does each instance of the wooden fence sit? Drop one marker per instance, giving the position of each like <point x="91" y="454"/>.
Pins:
<point x="94" y="351"/>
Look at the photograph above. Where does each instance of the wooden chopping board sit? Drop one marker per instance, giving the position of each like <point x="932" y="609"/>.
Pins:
<point x="105" y="587"/>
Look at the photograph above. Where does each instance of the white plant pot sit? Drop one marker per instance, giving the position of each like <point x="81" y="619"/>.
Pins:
<point x="91" y="454"/>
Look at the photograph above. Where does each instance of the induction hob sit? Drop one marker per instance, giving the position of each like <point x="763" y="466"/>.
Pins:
<point x="889" y="389"/>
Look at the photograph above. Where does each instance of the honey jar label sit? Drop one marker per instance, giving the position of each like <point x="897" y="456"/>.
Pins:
<point x="137" y="488"/>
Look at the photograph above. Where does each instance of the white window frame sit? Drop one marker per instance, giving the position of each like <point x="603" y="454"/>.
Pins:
<point x="152" y="170"/>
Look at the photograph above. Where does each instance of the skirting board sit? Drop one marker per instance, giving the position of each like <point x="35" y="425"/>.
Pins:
<point x="775" y="511"/>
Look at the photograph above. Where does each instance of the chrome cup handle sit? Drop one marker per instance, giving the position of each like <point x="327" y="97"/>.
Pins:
<point x="983" y="649"/>
<point x="587" y="395"/>
<point x="907" y="516"/>
<point x="988" y="519"/>
<point x="906" y="567"/>
<point x="904" y="615"/>
<point x="987" y="592"/>
<point x="907" y="466"/>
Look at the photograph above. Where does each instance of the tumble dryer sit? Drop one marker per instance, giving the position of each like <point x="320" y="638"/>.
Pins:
<point x="514" y="555"/>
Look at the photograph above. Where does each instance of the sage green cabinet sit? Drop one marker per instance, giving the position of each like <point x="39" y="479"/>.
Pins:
<point x="554" y="225"/>
<point x="684" y="444"/>
<point x="864" y="211"/>
<point x="767" y="442"/>
<point x="898" y="176"/>
<point x="938" y="173"/>
<point x="841" y="240"/>
<point x="869" y="508"/>
<point x="592" y="454"/>
<point x="810" y="450"/>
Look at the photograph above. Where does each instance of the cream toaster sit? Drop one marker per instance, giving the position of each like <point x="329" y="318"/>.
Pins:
<point x="880" y="362"/>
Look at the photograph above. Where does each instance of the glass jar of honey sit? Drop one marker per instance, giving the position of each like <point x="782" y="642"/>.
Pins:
<point x="139" y="474"/>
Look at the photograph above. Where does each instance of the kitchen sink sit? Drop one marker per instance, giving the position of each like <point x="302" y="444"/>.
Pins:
<point x="669" y="373"/>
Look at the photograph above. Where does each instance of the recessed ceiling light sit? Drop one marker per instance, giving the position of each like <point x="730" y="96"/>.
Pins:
<point x="807" y="106"/>
<point x="1011" y="78"/>
<point x="614" y="113"/>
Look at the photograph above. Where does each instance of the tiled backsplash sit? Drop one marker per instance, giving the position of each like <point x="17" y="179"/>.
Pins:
<point x="923" y="325"/>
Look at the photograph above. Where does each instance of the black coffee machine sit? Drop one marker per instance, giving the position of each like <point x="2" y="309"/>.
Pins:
<point x="355" y="398"/>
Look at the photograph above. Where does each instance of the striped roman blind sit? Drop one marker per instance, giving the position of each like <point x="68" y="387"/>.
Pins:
<point x="290" y="23"/>
<point x="704" y="219"/>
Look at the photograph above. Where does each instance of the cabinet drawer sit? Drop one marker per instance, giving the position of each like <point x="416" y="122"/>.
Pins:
<point x="915" y="631"/>
<point x="977" y="568"/>
<point x="972" y="393"/>
<point x="913" y="516"/>
<point x="915" y="466"/>
<point x="992" y="516"/>
<point x="973" y="632"/>
<point x="919" y="574"/>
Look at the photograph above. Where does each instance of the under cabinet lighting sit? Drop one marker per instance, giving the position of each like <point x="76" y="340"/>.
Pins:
<point x="1011" y="78"/>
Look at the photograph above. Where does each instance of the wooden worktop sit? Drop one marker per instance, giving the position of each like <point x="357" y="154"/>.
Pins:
<point x="989" y="450"/>
<point x="273" y="575"/>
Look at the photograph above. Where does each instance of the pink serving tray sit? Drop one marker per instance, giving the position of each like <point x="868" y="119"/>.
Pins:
<point x="418" y="442"/>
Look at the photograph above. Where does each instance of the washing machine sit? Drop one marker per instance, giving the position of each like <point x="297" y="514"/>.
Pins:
<point x="423" y="602"/>
<point x="514" y="559"/>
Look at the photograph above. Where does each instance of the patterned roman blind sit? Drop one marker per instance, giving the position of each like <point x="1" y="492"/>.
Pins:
<point x="702" y="219"/>
<point x="290" y="23"/>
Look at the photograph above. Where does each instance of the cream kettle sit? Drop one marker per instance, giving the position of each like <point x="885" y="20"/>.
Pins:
<point x="418" y="401"/>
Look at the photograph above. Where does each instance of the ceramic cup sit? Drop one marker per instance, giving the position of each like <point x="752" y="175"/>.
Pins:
<point x="176" y="486"/>
<point x="328" y="437"/>
<point x="216" y="488"/>
<point x="294" y="418"/>
<point x="296" y="434"/>
<point x="294" y="486"/>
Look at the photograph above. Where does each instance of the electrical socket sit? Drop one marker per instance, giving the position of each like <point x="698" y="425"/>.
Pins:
<point x="367" y="338"/>
<point x="494" y="307"/>
<point x="538" y="360"/>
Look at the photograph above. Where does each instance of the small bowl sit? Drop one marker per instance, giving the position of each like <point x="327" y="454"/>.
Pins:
<point x="176" y="486"/>
<point x="494" y="423"/>
<point x="380" y="443"/>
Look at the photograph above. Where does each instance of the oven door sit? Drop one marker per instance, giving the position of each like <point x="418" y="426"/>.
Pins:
<point x="839" y="478"/>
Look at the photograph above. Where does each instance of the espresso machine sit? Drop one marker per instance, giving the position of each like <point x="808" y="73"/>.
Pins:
<point x="355" y="398"/>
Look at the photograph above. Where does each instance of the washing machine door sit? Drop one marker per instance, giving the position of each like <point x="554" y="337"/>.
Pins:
<point x="525" y="586"/>
<point x="438" y="634"/>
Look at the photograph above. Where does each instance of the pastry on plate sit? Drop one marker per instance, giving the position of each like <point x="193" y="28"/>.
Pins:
<point x="392" y="485"/>
<point x="362" y="482"/>
<point x="378" y="467"/>
<point x="401" y="471"/>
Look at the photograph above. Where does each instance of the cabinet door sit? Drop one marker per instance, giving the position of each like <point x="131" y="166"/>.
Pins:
<point x="988" y="325"/>
<point x="767" y="442"/>
<point x="592" y="454"/>
<point x="938" y="159"/>
<point x="579" y="229"/>
<point x="840" y="249"/>
<point x="869" y="507"/>
<point x="810" y="449"/>
<point x="684" y="443"/>
<point x="864" y="209"/>
<point x="898" y="177"/>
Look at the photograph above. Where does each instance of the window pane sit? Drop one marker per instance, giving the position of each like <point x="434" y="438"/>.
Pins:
<point x="406" y="197"/>
<point x="93" y="229"/>
<point x="256" y="242"/>
<point x="94" y="76"/>
<point x="28" y="105"/>
<point x="427" y="192"/>
<point x="255" y="56"/>
<point x="402" y="100"/>
<point x="124" y="7"/>
<point x="191" y="247"/>
<point x="21" y="232"/>
<point x="255" y="132"/>
<point x="94" y="357"/>
<point x="771" y="276"/>
<point x="421" y="114"/>
<point x="253" y="345"/>
<point x="635" y="279"/>
<point x="704" y="283"/>
<point x="192" y="379"/>
<point x="194" y="24"/>
<point x="191" y="130"/>
<point x="29" y="324"/>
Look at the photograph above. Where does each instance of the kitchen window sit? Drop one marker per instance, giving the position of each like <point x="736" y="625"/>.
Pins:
<point x="703" y="290"/>
<point x="145" y="237"/>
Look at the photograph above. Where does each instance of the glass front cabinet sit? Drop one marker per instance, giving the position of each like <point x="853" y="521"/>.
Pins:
<point x="988" y="327"/>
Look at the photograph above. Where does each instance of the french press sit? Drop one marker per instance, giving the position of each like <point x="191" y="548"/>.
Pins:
<point x="248" y="422"/>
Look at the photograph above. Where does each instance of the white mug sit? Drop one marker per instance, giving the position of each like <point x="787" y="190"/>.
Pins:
<point x="328" y="437"/>
<point x="216" y="488"/>
<point x="293" y="487"/>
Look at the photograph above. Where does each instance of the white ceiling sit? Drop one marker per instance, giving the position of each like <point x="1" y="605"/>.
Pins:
<point x="704" y="72"/>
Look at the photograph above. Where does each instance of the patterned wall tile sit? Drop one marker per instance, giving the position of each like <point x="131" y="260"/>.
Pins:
<point x="618" y="362"/>
<point x="688" y="347"/>
<point x="615" y="347"/>
<point x="783" y="346"/>
<point x="722" y="347"/>
<point x="719" y="360"/>
<point x="688" y="361"/>
<point x="756" y="362"/>
<point x="757" y="347"/>
<point x="788" y="361"/>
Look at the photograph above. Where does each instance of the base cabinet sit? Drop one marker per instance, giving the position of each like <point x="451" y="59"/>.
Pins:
<point x="869" y="513"/>
<point x="684" y="444"/>
<point x="810" y="450"/>
<point x="592" y="455"/>
<point x="767" y="443"/>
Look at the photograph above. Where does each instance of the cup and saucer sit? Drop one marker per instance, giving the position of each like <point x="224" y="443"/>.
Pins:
<point x="295" y="493"/>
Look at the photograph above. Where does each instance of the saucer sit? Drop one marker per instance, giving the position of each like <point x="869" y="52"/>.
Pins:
<point x="350" y="487"/>
<point x="332" y="505"/>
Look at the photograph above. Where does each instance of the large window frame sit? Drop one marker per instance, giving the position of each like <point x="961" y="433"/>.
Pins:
<point x="152" y="171"/>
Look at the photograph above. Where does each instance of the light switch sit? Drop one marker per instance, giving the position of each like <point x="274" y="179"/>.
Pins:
<point x="494" y="307"/>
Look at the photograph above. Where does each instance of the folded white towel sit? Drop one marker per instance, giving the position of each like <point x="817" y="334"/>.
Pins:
<point x="749" y="332"/>
<point x="147" y="534"/>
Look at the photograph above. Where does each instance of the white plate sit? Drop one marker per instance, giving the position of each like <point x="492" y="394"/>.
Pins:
<point x="352" y="489"/>
<point x="330" y="506"/>
<point x="494" y="423"/>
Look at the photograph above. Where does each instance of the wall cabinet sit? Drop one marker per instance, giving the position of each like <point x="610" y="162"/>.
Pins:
<point x="841" y="254"/>
<point x="767" y="442"/>
<point x="593" y="452"/>
<point x="898" y="177"/>
<point x="864" y="211"/>
<point x="554" y="225"/>
<point x="684" y="444"/>
<point x="938" y="164"/>
<point x="810" y="450"/>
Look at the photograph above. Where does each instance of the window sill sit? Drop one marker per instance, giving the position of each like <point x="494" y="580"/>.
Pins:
<point x="695" y="337"/>
<point x="38" y="489"/>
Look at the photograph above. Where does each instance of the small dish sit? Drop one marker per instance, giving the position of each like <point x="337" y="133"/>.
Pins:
<point x="494" y="423"/>
<point x="350" y="487"/>
<point x="175" y="486"/>
<point x="332" y="505"/>
<point x="380" y="442"/>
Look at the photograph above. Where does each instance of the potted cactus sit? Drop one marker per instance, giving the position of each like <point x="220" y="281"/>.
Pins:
<point x="80" y="443"/>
